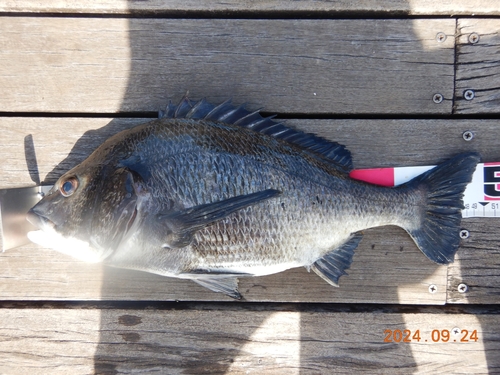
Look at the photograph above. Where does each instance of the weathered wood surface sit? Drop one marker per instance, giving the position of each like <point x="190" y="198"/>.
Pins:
<point x="478" y="66"/>
<point x="324" y="66"/>
<point x="289" y="66"/>
<point x="209" y="340"/>
<point x="61" y="143"/>
<point x="387" y="267"/>
<point x="477" y="265"/>
<point x="388" y="7"/>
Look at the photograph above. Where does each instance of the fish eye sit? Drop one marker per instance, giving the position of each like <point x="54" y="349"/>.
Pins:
<point x="68" y="187"/>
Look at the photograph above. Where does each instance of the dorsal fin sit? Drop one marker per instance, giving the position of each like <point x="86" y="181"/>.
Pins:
<point x="230" y="114"/>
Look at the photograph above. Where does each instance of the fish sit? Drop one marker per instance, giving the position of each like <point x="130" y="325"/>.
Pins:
<point x="214" y="193"/>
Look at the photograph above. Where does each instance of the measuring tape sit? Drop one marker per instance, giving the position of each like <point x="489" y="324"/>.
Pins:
<point x="481" y="197"/>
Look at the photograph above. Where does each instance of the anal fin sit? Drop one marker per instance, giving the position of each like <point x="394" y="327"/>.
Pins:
<point x="226" y="285"/>
<point x="333" y="265"/>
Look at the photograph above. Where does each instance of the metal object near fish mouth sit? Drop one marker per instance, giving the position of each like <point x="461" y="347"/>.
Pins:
<point x="14" y="205"/>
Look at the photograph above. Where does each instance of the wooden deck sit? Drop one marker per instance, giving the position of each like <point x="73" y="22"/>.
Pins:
<point x="71" y="75"/>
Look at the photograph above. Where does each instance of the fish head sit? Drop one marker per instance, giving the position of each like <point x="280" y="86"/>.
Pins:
<point x="88" y="212"/>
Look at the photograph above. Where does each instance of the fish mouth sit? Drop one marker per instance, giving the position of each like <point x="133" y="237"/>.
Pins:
<point x="39" y="221"/>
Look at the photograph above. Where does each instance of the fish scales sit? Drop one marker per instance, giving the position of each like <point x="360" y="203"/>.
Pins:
<point x="210" y="177"/>
<point x="280" y="230"/>
<point x="198" y="198"/>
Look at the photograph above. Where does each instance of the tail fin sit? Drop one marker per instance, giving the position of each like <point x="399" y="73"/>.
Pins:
<point x="438" y="234"/>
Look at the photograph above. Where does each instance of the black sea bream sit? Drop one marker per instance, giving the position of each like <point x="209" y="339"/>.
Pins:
<point x="214" y="193"/>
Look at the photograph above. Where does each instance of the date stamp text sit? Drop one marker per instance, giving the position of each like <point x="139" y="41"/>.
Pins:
<point x="436" y="335"/>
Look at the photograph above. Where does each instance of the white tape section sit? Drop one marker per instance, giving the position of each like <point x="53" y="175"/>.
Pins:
<point x="481" y="197"/>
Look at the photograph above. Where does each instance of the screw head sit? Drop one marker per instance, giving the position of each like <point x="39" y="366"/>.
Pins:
<point x="468" y="135"/>
<point x="473" y="38"/>
<point x="432" y="288"/>
<point x="469" y="94"/>
<point x="456" y="330"/>
<point x="464" y="233"/>
<point x="437" y="98"/>
<point x="440" y="37"/>
<point x="462" y="288"/>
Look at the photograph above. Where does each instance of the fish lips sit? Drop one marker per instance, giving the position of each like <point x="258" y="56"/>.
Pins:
<point x="38" y="220"/>
<point x="49" y="212"/>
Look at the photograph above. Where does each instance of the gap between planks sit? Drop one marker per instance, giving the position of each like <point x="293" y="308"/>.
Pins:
<point x="218" y="8"/>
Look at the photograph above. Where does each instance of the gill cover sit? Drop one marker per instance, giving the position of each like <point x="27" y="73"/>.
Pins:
<point x="117" y="208"/>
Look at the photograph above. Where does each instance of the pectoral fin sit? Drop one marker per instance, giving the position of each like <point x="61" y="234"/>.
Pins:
<point x="181" y="225"/>
<point x="226" y="285"/>
<point x="333" y="265"/>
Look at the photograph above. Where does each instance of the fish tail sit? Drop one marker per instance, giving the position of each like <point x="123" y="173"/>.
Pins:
<point x="436" y="230"/>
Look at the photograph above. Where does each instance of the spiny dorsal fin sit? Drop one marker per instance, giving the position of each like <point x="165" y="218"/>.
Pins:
<point x="230" y="114"/>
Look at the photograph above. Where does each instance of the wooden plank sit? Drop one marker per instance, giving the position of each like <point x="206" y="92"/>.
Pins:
<point x="77" y="341"/>
<point x="389" y="7"/>
<point x="387" y="267"/>
<point x="477" y="262"/>
<point x="61" y="143"/>
<point x="478" y="66"/>
<point x="289" y="66"/>
<point x="477" y="265"/>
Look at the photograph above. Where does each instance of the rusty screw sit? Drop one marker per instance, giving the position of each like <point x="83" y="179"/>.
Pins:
<point x="473" y="38"/>
<point x="440" y="37"/>
<point x="437" y="98"/>
<point x="462" y="288"/>
<point x="432" y="289"/>
<point x="469" y="94"/>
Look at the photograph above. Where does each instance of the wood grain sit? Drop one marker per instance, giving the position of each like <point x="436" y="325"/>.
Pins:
<point x="62" y="143"/>
<point x="214" y="341"/>
<point x="478" y="66"/>
<point x="87" y="59"/>
<point x="477" y="265"/>
<point x="387" y="267"/>
<point x="289" y="66"/>
<point x="388" y="7"/>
